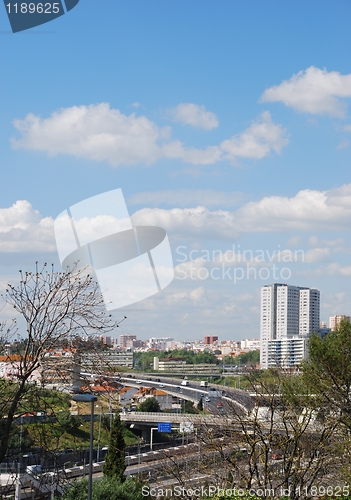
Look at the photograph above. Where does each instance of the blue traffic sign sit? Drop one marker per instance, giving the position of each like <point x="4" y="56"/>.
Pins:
<point x="164" y="427"/>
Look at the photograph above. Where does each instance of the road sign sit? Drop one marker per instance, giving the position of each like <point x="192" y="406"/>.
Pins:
<point x="164" y="427"/>
<point x="186" y="427"/>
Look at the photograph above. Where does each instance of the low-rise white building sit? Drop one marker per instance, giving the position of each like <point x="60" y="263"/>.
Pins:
<point x="287" y="352"/>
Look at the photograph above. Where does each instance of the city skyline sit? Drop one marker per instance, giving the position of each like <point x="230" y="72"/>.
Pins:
<point x="227" y="125"/>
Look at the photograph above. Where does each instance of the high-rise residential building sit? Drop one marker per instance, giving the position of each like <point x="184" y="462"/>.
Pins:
<point x="126" y="341"/>
<point x="289" y="314"/>
<point x="309" y="311"/>
<point x="334" y="321"/>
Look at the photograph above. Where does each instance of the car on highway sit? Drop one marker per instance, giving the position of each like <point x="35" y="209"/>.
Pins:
<point x="161" y="385"/>
<point x="202" y="395"/>
<point x="207" y="399"/>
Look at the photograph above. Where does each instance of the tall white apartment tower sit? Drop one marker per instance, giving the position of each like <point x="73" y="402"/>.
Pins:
<point x="309" y="311"/>
<point x="289" y="314"/>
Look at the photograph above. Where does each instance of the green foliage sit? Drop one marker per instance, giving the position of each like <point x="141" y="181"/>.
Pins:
<point x="20" y="439"/>
<point x="149" y="405"/>
<point x="200" y="405"/>
<point x="189" y="407"/>
<point x="145" y="359"/>
<point x="252" y="357"/>
<point x="195" y="358"/>
<point x="68" y="422"/>
<point x="114" y="466"/>
<point x="328" y="372"/>
<point x="109" y="488"/>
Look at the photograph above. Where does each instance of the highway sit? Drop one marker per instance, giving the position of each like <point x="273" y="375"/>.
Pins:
<point x="210" y="395"/>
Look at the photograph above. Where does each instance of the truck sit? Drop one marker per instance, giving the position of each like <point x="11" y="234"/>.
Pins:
<point x="203" y="383"/>
<point x="185" y="382"/>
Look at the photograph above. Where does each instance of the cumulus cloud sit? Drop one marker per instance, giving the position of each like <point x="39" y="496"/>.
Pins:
<point x="96" y="132"/>
<point x="316" y="240"/>
<point x="194" y="115"/>
<point x="257" y="141"/>
<point x="314" y="91"/>
<point x="334" y="269"/>
<point x="198" y="222"/>
<point x="100" y="133"/>
<point x="23" y="229"/>
<point x="308" y="210"/>
<point x="317" y="255"/>
<point x="187" y="197"/>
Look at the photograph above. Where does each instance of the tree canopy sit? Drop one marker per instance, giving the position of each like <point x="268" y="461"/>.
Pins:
<point x="109" y="488"/>
<point x="114" y="466"/>
<point x="328" y="372"/>
<point x="150" y="405"/>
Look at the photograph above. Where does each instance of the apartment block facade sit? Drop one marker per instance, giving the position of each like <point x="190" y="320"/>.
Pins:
<point x="289" y="314"/>
<point x="334" y="321"/>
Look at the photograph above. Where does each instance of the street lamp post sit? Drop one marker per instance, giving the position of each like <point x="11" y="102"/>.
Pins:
<point x="89" y="398"/>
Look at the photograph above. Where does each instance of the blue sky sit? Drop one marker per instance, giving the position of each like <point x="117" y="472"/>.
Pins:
<point x="226" y="123"/>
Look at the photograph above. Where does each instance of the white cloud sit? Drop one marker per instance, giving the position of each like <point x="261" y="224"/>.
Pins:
<point x="315" y="240"/>
<point x="343" y="144"/>
<point x="94" y="132"/>
<point x="99" y="133"/>
<point x="294" y="241"/>
<point x="308" y="210"/>
<point x="187" y="197"/>
<point x="314" y="91"/>
<point x="194" y="115"/>
<point x="257" y="141"/>
<point x="23" y="229"/>
<point x="317" y="255"/>
<point x="334" y="269"/>
<point x="198" y="222"/>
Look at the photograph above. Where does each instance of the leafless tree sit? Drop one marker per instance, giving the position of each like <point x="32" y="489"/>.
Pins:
<point x="281" y="446"/>
<point x="57" y="308"/>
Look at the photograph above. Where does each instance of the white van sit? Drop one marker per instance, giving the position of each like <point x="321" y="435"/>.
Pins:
<point x="203" y="383"/>
<point x="185" y="382"/>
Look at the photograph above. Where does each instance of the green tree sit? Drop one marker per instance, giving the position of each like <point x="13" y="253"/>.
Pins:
<point x="114" y="466"/>
<point x="328" y="371"/>
<point x="189" y="407"/>
<point x="67" y="421"/>
<point x="109" y="488"/>
<point x="200" y="405"/>
<point x="251" y="357"/>
<point x="150" y="405"/>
